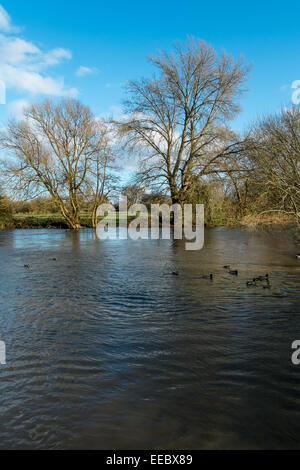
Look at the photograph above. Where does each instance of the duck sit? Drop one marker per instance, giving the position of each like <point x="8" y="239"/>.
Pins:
<point x="251" y="283"/>
<point x="27" y="266"/>
<point x="208" y="276"/>
<point x="263" y="278"/>
<point x="233" y="272"/>
<point x="227" y="266"/>
<point x="298" y="256"/>
<point x="54" y="259"/>
<point x="172" y="269"/>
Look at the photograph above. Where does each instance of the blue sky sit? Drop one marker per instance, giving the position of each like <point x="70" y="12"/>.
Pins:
<point x="88" y="49"/>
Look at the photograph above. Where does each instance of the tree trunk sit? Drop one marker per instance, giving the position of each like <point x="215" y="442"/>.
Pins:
<point x="75" y="222"/>
<point x="94" y="217"/>
<point x="72" y="220"/>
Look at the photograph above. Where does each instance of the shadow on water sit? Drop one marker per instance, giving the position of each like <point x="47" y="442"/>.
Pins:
<point x="107" y="349"/>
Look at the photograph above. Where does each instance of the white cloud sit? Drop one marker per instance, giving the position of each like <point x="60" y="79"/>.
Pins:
<point x="82" y="71"/>
<point x="116" y="110"/>
<point x="56" y="55"/>
<point x="15" y="109"/>
<point x="21" y="80"/>
<point x="23" y="65"/>
<point x="16" y="51"/>
<point x="5" y="22"/>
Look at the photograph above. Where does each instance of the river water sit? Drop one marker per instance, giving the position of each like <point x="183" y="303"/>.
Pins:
<point x="106" y="349"/>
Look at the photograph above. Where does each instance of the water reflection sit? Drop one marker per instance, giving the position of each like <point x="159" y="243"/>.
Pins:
<point x="107" y="349"/>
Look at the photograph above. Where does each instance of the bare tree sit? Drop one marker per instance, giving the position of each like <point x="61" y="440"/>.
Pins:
<point x="237" y="174"/>
<point x="275" y="155"/>
<point x="53" y="150"/>
<point x="134" y="194"/>
<point x="178" y="119"/>
<point x="101" y="179"/>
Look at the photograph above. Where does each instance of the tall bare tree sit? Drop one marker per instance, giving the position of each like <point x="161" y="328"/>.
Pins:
<point x="178" y="119"/>
<point x="275" y="155"/>
<point x="53" y="149"/>
<point x="101" y="181"/>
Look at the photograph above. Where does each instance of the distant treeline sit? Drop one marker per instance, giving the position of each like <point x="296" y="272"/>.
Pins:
<point x="220" y="209"/>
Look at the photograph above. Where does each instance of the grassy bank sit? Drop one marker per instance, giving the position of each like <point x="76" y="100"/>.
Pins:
<point x="45" y="221"/>
<point x="27" y="221"/>
<point x="22" y="221"/>
<point x="269" y="218"/>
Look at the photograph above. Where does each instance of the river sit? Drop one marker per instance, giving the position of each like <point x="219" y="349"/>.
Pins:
<point x="106" y="349"/>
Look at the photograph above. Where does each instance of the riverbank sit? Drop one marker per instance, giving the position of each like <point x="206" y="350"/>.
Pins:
<point x="41" y="221"/>
<point x="23" y="221"/>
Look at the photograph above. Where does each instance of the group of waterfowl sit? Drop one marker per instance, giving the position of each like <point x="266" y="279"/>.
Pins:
<point x="233" y="272"/>
<point x="256" y="281"/>
<point x="263" y="281"/>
